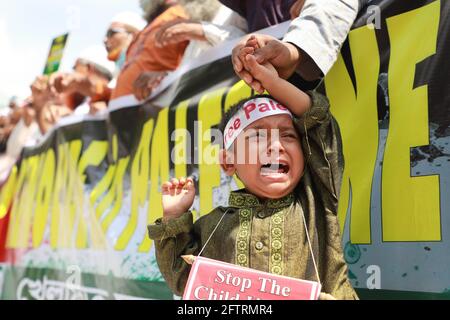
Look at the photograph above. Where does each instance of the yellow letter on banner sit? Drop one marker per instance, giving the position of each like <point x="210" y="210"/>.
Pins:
<point x="139" y="183"/>
<point x="22" y="210"/>
<point x="59" y="189"/>
<point x="7" y="192"/>
<point x="159" y="172"/>
<point x="182" y="140"/>
<point x="72" y="195"/>
<point x="15" y="216"/>
<point x="113" y="182"/>
<point x="209" y="114"/>
<point x="116" y="193"/>
<point x="410" y="204"/>
<point x="238" y="92"/>
<point x="44" y="194"/>
<point x="92" y="156"/>
<point x="358" y="121"/>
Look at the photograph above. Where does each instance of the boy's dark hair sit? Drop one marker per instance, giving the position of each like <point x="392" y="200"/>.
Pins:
<point x="235" y="108"/>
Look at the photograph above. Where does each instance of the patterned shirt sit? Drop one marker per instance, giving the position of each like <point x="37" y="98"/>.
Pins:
<point x="270" y="235"/>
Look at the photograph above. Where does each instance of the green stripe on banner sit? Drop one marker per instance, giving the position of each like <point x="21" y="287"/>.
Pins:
<point x="50" y="284"/>
<point x="367" y="294"/>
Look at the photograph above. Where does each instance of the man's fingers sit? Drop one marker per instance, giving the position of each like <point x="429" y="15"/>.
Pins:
<point x="237" y="64"/>
<point x="253" y="42"/>
<point x="147" y="93"/>
<point x="152" y="84"/>
<point x="160" y="36"/>
<point x="141" y="90"/>
<point x="246" y="51"/>
<point x="246" y="76"/>
<point x="142" y="93"/>
<point x="252" y="37"/>
<point x="174" y="39"/>
<point x="136" y="87"/>
<point x="165" y="38"/>
<point x="138" y="93"/>
<point x="264" y="54"/>
<point x="268" y="51"/>
<point x="173" y="35"/>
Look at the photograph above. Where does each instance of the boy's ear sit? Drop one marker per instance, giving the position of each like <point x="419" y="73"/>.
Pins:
<point x="226" y="162"/>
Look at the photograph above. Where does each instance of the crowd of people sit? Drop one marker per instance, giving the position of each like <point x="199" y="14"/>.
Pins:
<point x="138" y="51"/>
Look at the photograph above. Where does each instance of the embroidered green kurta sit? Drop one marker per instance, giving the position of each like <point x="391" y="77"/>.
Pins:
<point x="270" y="235"/>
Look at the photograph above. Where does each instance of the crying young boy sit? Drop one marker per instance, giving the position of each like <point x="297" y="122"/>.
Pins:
<point x="285" y="148"/>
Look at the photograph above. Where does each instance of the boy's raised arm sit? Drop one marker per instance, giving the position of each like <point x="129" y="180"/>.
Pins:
<point x="297" y="101"/>
<point x="174" y="234"/>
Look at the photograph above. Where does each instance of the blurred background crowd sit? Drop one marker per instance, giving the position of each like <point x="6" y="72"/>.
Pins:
<point x="137" y="53"/>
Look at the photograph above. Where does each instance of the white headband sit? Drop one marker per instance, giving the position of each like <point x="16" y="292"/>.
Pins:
<point x="252" y="111"/>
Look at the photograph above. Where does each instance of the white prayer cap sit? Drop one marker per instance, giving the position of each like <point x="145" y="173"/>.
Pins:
<point x="130" y="19"/>
<point x="98" y="56"/>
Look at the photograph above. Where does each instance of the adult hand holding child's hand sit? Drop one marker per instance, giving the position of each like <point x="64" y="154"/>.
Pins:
<point x="177" y="197"/>
<point x="265" y="73"/>
<point x="284" y="56"/>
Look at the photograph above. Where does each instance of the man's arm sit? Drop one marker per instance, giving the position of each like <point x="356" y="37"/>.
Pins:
<point x="320" y="31"/>
<point x="311" y="46"/>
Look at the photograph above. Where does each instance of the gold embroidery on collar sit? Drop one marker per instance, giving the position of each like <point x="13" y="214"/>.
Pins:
<point x="246" y="200"/>
<point x="243" y="238"/>
<point x="276" y="243"/>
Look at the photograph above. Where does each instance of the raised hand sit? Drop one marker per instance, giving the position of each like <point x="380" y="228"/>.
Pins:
<point x="284" y="56"/>
<point x="177" y="197"/>
<point x="264" y="73"/>
<point x="146" y="83"/>
<point x="179" y="31"/>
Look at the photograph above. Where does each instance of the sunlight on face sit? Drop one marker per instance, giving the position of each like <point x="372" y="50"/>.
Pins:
<point x="268" y="157"/>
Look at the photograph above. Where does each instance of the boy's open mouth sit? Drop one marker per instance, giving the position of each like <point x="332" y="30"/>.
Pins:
<point x="274" y="168"/>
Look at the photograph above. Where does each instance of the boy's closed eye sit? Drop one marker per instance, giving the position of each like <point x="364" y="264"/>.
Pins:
<point x="256" y="134"/>
<point x="288" y="132"/>
<point x="289" y="135"/>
